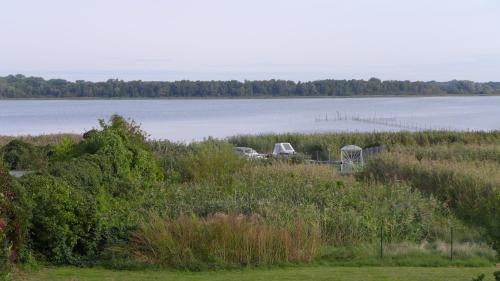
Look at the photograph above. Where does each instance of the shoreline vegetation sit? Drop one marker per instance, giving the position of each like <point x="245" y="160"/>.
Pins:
<point x="22" y="87"/>
<point x="112" y="199"/>
<point x="248" y="98"/>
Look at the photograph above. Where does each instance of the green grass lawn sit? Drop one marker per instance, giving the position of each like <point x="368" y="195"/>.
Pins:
<point x="289" y="274"/>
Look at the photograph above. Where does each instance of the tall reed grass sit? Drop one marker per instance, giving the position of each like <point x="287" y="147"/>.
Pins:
<point x="455" y="152"/>
<point x="222" y="240"/>
<point x="470" y="189"/>
<point x="328" y="145"/>
<point x="347" y="211"/>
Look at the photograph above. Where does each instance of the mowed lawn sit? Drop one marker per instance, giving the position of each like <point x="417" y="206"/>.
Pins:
<point x="289" y="274"/>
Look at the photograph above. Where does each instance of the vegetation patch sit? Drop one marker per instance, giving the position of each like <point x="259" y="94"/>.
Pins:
<point x="113" y="198"/>
<point x="222" y="240"/>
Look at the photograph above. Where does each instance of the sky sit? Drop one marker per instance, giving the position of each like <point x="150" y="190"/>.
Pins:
<point x="298" y="40"/>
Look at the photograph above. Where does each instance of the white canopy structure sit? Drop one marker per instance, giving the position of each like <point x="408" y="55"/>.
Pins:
<point x="283" y="148"/>
<point x="352" y="159"/>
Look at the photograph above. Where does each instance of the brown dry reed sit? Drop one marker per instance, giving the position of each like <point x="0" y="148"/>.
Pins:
<point x="223" y="240"/>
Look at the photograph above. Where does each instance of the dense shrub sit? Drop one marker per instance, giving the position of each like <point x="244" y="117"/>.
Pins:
<point x="497" y="275"/>
<point x="91" y="192"/>
<point x="14" y="219"/>
<point x="19" y="155"/>
<point x="61" y="218"/>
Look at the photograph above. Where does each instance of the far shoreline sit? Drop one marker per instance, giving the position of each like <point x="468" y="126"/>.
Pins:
<point x="248" y="98"/>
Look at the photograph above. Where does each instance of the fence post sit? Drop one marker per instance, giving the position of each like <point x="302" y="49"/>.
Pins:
<point x="381" y="241"/>
<point x="451" y="243"/>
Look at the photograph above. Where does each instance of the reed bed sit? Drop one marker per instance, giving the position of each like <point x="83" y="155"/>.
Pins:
<point x="455" y="152"/>
<point x="223" y="240"/>
<point x="328" y="145"/>
<point x="470" y="189"/>
<point x="343" y="208"/>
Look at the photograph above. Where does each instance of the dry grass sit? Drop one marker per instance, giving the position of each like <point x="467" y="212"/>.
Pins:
<point x="222" y="240"/>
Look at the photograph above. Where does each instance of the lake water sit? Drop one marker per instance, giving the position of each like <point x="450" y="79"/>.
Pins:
<point x="187" y="120"/>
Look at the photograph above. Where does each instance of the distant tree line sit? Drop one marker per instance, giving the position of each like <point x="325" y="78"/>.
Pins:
<point x="20" y="86"/>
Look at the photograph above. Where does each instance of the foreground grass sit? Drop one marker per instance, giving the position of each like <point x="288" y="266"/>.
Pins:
<point x="290" y="274"/>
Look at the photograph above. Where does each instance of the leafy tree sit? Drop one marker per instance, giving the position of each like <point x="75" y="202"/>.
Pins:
<point x="19" y="86"/>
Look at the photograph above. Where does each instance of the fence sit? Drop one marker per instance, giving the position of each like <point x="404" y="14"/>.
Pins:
<point x="457" y="245"/>
<point x="367" y="154"/>
<point x="374" y="150"/>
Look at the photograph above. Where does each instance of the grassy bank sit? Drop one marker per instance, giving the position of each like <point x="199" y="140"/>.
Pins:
<point x="289" y="273"/>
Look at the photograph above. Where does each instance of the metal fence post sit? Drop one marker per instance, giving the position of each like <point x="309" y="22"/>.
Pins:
<point x="451" y="243"/>
<point x="381" y="241"/>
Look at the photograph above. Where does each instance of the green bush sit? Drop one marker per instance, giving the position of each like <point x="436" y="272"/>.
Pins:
<point x="19" y="155"/>
<point x="61" y="218"/>
<point x="496" y="274"/>
<point x="64" y="150"/>
<point x="14" y="219"/>
<point x="91" y="193"/>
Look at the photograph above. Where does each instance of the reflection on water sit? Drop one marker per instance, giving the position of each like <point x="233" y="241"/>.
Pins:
<point x="186" y="120"/>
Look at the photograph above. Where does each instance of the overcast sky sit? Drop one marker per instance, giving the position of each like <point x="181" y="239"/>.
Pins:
<point x="251" y="39"/>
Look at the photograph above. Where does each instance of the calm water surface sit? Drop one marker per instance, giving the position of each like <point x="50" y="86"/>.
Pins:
<point x="187" y="120"/>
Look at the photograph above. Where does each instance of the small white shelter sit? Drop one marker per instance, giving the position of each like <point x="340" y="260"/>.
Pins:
<point x="283" y="148"/>
<point x="18" y="173"/>
<point x="351" y="157"/>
